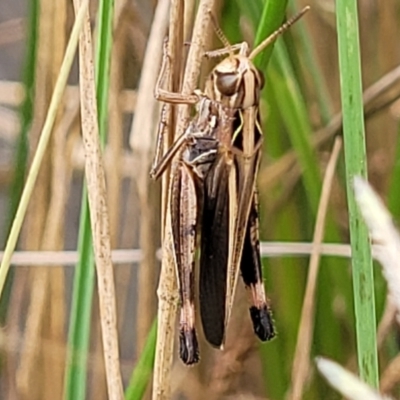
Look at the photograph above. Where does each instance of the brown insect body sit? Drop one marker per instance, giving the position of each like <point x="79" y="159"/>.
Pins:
<point x="213" y="179"/>
<point x="231" y="200"/>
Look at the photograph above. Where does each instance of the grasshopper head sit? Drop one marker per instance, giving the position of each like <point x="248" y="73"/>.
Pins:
<point x="236" y="82"/>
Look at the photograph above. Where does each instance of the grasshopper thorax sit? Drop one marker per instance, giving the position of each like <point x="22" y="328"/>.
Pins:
<point x="236" y="82"/>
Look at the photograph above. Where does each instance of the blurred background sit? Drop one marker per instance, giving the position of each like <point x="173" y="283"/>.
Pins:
<point x="35" y="310"/>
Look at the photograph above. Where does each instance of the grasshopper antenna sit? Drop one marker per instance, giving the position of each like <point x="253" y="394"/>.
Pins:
<point x="271" y="38"/>
<point x="221" y="36"/>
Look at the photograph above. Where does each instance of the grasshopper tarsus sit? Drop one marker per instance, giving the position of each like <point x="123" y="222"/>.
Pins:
<point x="262" y="322"/>
<point x="188" y="346"/>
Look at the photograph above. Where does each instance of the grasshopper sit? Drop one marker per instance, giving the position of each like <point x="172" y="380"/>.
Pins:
<point x="230" y="234"/>
<point x="214" y="168"/>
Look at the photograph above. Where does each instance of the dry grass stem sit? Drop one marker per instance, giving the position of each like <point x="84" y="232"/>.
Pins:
<point x="167" y="287"/>
<point x="198" y="42"/>
<point x="301" y="362"/>
<point x="190" y="12"/>
<point x="132" y="256"/>
<point x="98" y="212"/>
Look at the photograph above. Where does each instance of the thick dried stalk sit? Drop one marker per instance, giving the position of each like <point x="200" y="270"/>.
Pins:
<point x="147" y="111"/>
<point x="301" y="362"/>
<point x="98" y="212"/>
<point x="167" y="288"/>
<point x="195" y="57"/>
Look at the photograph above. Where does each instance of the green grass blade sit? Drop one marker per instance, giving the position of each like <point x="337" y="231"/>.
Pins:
<point x="79" y="332"/>
<point x="230" y="17"/>
<point x="81" y="307"/>
<point x="103" y="61"/>
<point x="355" y="156"/>
<point x="142" y="372"/>
<point x="282" y="81"/>
<point x="273" y="14"/>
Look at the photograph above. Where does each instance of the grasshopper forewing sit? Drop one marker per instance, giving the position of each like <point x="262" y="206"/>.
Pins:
<point x="230" y="237"/>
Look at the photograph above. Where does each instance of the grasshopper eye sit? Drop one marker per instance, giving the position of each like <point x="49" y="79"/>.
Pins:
<point x="227" y="83"/>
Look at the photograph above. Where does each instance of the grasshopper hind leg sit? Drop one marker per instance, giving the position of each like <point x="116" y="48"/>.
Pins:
<point x="184" y="219"/>
<point x="251" y="270"/>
